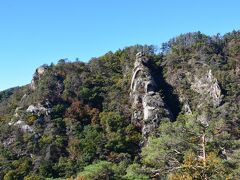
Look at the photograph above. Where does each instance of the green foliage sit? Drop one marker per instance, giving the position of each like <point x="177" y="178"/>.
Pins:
<point x="33" y="177"/>
<point x="19" y="169"/>
<point x="116" y="131"/>
<point x="178" y="150"/>
<point x="111" y="121"/>
<point x="91" y="140"/>
<point x="193" y="168"/>
<point x="65" y="167"/>
<point x="46" y="169"/>
<point x="45" y="139"/>
<point x="31" y="119"/>
<point x="57" y="111"/>
<point x="135" y="172"/>
<point x="101" y="170"/>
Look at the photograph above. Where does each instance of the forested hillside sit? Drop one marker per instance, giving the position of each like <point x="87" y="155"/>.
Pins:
<point x="136" y="113"/>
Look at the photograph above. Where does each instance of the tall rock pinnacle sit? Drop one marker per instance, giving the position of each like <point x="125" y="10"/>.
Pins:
<point x="148" y="107"/>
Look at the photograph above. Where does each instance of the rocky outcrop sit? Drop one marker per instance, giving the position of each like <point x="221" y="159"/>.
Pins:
<point x="186" y="108"/>
<point x="38" y="110"/>
<point x="18" y="122"/>
<point x="37" y="76"/>
<point x="18" y="119"/>
<point x="23" y="126"/>
<point x="208" y="87"/>
<point x="148" y="107"/>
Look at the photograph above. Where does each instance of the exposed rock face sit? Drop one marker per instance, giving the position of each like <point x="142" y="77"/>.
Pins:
<point x="23" y="126"/>
<point x="147" y="104"/>
<point x="37" y="76"/>
<point x="187" y="109"/>
<point x="15" y="116"/>
<point x="208" y="87"/>
<point x="19" y="123"/>
<point x="38" y="110"/>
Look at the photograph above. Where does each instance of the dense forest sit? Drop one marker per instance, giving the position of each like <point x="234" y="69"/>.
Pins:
<point x="137" y="113"/>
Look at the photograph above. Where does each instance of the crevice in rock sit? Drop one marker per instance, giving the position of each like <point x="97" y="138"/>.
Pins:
<point x="169" y="97"/>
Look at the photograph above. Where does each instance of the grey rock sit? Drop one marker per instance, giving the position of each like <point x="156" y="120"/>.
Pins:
<point x="23" y="126"/>
<point x="37" y="76"/>
<point x="148" y="107"/>
<point x="38" y="110"/>
<point x="208" y="87"/>
<point x="8" y="141"/>
<point x="186" y="108"/>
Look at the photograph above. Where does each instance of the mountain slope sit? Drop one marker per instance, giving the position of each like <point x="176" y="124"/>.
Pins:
<point x="170" y="115"/>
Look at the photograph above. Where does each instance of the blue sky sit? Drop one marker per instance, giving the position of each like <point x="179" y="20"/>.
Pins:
<point x="34" y="32"/>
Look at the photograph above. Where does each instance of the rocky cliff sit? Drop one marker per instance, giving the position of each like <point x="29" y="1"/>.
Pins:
<point x="148" y="107"/>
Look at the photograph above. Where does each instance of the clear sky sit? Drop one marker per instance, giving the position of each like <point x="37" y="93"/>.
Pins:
<point x="34" y="32"/>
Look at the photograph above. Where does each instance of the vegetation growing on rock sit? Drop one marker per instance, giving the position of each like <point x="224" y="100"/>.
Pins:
<point x="75" y="119"/>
